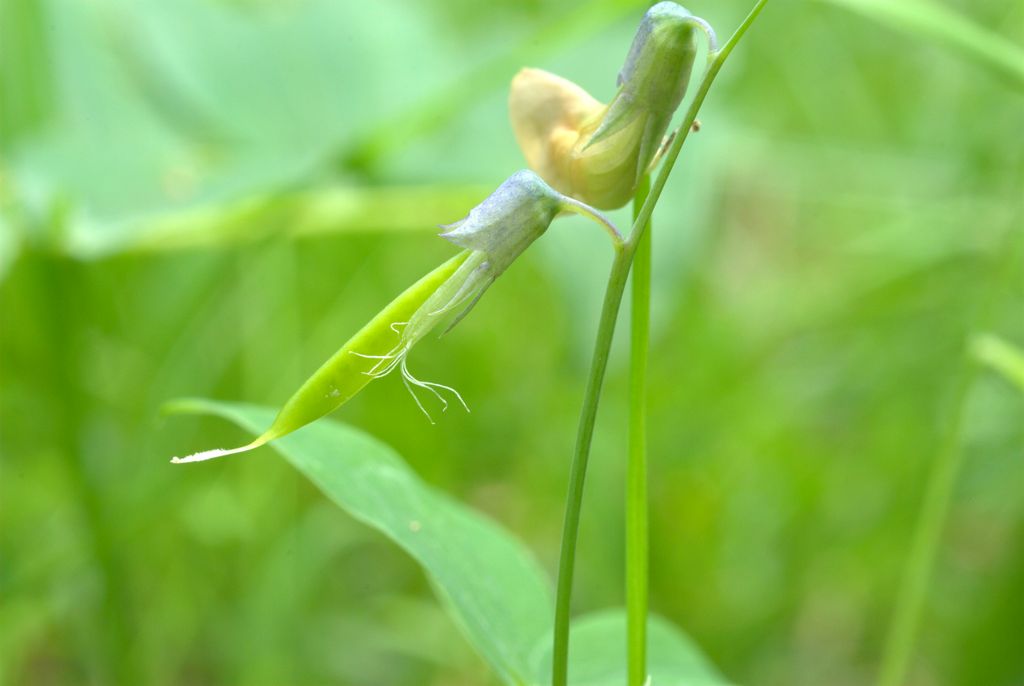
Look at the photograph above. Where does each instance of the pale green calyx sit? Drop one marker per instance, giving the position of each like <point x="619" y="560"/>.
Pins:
<point x="507" y="221"/>
<point x="495" y="233"/>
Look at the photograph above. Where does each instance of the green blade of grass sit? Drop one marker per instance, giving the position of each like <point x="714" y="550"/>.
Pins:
<point x="1001" y="356"/>
<point x="944" y="27"/>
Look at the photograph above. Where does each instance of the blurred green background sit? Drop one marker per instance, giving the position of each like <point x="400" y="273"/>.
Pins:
<point x="207" y="197"/>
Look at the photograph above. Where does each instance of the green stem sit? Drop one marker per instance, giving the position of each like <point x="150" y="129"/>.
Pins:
<point x="613" y="297"/>
<point x="636" y="478"/>
<point x="906" y="618"/>
<point x="66" y="296"/>
<point x="910" y="603"/>
<point x="578" y="470"/>
<point x="582" y="209"/>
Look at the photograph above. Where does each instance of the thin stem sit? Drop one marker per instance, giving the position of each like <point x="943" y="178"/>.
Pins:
<point x="636" y="478"/>
<point x="613" y="297"/>
<point x="709" y="32"/>
<point x="63" y="286"/>
<point x="917" y="576"/>
<point x="573" y="205"/>
<point x="578" y="470"/>
<point x="906" y="618"/>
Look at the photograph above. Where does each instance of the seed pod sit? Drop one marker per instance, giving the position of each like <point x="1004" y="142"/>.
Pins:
<point x="494" y="234"/>
<point x="349" y="369"/>
<point x="598" y="153"/>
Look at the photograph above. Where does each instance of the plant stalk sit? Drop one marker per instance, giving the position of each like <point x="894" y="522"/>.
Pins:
<point x="636" y="475"/>
<point x="109" y="615"/>
<point x="613" y="297"/>
<point x="906" y="618"/>
<point x="905" y="623"/>
<point x="578" y="470"/>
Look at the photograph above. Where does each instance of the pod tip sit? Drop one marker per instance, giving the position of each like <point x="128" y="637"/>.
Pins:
<point x="211" y="454"/>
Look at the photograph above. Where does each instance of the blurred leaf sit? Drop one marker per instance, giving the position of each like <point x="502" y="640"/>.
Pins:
<point x="1001" y="355"/>
<point x="26" y="98"/>
<point x="440" y="107"/>
<point x="490" y="582"/>
<point x="192" y="110"/>
<point x="935" y="22"/>
<point x="9" y="243"/>
<point x="286" y="215"/>
<point x="194" y="137"/>
<point x="597" y="653"/>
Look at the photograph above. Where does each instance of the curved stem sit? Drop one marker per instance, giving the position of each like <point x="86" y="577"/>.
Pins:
<point x="585" y="210"/>
<point x="578" y="470"/>
<point x="636" y="477"/>
<point x="709" y="32"/>
<point x="613" y="297"/>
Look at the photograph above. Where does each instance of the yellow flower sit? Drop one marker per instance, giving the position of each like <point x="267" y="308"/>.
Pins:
<point x="594" y="152"/>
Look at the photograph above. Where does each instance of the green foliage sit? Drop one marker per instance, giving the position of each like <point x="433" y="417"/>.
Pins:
<point x="820" y="253"/>
<point x="597" y="647"/>
<point x="495" y="590"/>
<point x="1001" y="355"/>
<point x="490" y="583"/>
<point x="200" y="144"/>
<point x="935" y="21"/>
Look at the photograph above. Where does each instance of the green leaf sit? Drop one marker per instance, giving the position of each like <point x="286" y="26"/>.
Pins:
<point x="293" y="214"/>
<point x="943" y="26"/>
<point x="491" y="584"/>
<point x="205" y="122"/>
<point x="443" y="105"/>
<point x="597" y="654"/>
<point x="1001" y="356"/>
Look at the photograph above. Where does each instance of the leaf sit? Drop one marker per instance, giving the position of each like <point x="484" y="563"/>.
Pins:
<point x="26" y="78"/>
<point x="200" y="122"/>
<point x="1001" y="356"/>
<point x="291" y="214"/>
<point x="444" y="104"/>
<point x="490" y="583"/>
<point x="597" y="654"/>
<point x="943" y="26"/>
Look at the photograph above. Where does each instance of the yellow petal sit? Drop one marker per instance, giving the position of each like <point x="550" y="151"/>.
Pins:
<point x="554" y="119"/>
<point x="548" y="115"/>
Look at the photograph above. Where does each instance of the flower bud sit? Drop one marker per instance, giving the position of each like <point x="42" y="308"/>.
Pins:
<point x="598" y="153"/>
